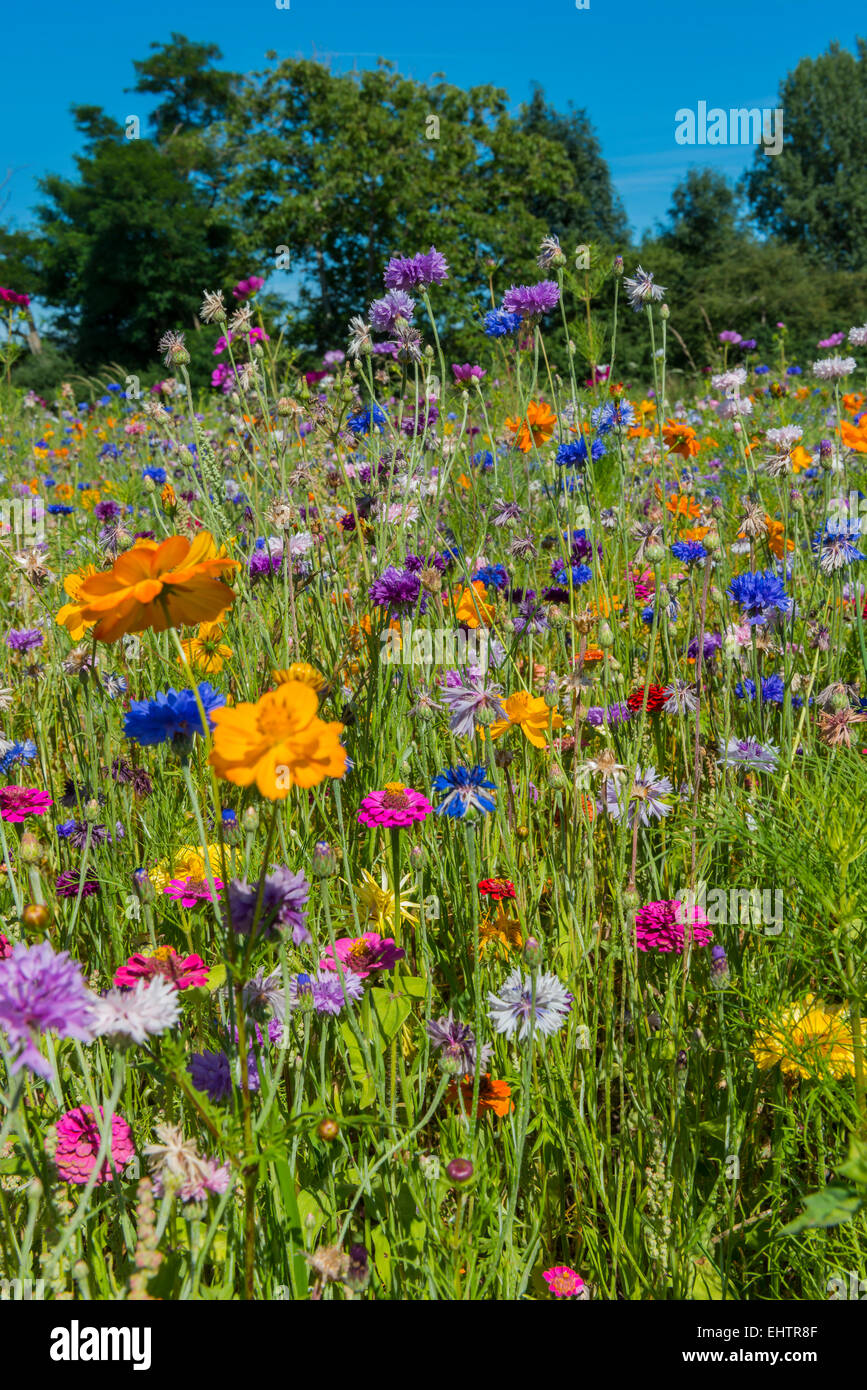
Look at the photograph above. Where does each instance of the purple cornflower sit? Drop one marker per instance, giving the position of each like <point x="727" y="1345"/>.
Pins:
<point x="611" y="715"/>
<point x="524" y="1004"/>
<point x="416" y="272"/>
<point x="212" y="1072"/>
<point x="41" y="989"/>
<point x="24" y="639"/>
<point x="748" y="752"/>
<point x="530" y="302"/>
<point x="106" y="511"/>
<point x="457" y="1040"/>
<point x="397" y="590"/>
<point x="384" y="313"/>
<point x="710" y="646"/>
<point x="325" y="990"/>
<point x="531" y="616"/>
<point x="284" y="904"/>
<point x="66" y="885"/>
<point x="472" y="704"/>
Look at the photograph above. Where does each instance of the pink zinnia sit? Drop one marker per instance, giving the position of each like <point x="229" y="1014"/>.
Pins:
<point x="180" y="971"/>
<point x="189" y="892"/>
<point x="396" y="806"/>
<point x="364" y="954"/>
<point x="643" y="584"/>
<point x="564" y="1282"/>
<point x="5" y="947"/>
<point x="18" y="802"/>
<point x="78" y="1145"/>
<point x="660" y="926"/>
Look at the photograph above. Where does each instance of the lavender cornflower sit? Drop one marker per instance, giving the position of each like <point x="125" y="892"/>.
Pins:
<point x="472" y="704"/>
<point x="644" y="800"/>
<point x="283" y="904"/>
<point x="384" y="313"/>
<point x="531" y="616"/>
<point x="325" y="989"/>
<point x="748" y="752"/>
<point x="526" y="1004"/>
<point x="212" y="1072"/>
<point x="681" y="697"/>
<point x="504" y="512"/>
<point x="457" y="1041"/>
<point x="24" y="639"/>
<point x="265" y="993"/>
<point x="41" y="989"/>
<point x="416" y="272"/>
<point x="611" y="715"/>
<point x="710" y="646"/>
<point x="530" y="302"/>
<point x="397" y="590"/>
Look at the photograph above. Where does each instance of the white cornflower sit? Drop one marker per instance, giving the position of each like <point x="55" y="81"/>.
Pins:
<point x="359" y="337"/>
<point x="524" y="1004"/>
<point x="213" y="309"/>
<point x="858" y="336"/>
<point x="641" y="289"/>
<point x="834" y="368"/>
<point x="137" y="1014"/>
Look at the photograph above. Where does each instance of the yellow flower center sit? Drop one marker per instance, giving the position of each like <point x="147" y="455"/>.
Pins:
<point x="395" y="797"/>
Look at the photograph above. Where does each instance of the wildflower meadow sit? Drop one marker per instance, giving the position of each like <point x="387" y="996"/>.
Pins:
<point x="430" y="821"/>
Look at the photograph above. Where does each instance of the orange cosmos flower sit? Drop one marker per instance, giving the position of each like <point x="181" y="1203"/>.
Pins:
<point x="854" y="436"/>
<point x="493" y="1095"/>
<point x="775" y="537"/>
<point x="801" y="458"/>
<point x="156" y="586"/>
<point x="69" y="616"/>
<point x="682" y="505"/>
<point x="853" y="401"/>
<point x="680" y="439"/>
<point x="278" y="743"/>
<point x="472" y="610"/>
<point x="530" y="714"/>
<point x="535" y="428"/>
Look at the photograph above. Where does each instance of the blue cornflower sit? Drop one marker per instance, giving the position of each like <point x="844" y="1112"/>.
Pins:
<point x="463" y="788"/>
<point x="18" y="754"/>
<point x="173" y="715"/>
<point x="492" y="576"/>
<point x="575" y="452"/>
<point x="57" y="509"/>
<point x="157" y="475"/>
<point x="499" y="323"/>
<point x="688" y="552"/>
<point x="671" y="608"/>
<point x="611" y="416"/>
<point x="361" y="424"/>
<point x="772" y="691"/>
<point x="760" y="594"/>
<point x="835" y="546"/>
<point x="580" y="574"/>
<point x="483" y="459"/>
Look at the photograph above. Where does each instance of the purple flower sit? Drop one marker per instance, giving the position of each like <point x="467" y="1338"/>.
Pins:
<point x="397" y="590"/>
<point x="67" y="883"/>
<point x="384" y="312"/>
<point x="644" y="801"/>
<point x="472" y="704"/>
<point x="612" y="715"/>
<point x="41" y="989"/>
<point x="325" y="990"/>
<point x="457" y="1040"/>
<point x="465" y="372"/>
<point x="284" y="904"/>
<point x="414" y="272"/>
<point x="532" y="301"/>
<point x="212" y="1072"/>
<point x="24" y="639"/>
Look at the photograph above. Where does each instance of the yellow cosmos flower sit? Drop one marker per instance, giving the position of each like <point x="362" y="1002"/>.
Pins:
<point x="205" y="652"/>
<point x="808" y="1039"/>
<point x="301" y="671"/>
<point x="530" y="714"/>
<point x="278" y="743"/>
<point x="187" y="862"/>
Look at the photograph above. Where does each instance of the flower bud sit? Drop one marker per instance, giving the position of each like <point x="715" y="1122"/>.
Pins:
<point x="35" y="917"/>
<point x="605" y="637"/>
<point x="655" y="554"/>
<point x="142" y="884"/>
<point x="326" y="859"/>
<point x="460" y="1170"/>
<point x="250" y="819"/>
<point x="30" y="849"/>
<point x="533" y="952"/>
<point x="328" y="1130"/>
<point x="549" y="693"/>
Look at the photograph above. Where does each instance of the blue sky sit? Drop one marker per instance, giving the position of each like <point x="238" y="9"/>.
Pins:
<point x="630" y="64"/>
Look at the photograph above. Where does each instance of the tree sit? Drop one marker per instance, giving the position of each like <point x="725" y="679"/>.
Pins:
<point x="703" y="217"/>
<point x="125" y="249"/>
<point x="814" y="194"/>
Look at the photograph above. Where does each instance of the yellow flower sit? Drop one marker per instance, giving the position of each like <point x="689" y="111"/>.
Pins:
<point x="68" y="615"/>
<point x="301" y="671"/>
<point x="187" y="862"/>
<point x="278" y="743"/>
<point x="808" y="1040"/>
<point x="500" y="930"/>
<point x="378" y="901"/>
<point x="530" y="714"/>
<point x="205" y="652"/>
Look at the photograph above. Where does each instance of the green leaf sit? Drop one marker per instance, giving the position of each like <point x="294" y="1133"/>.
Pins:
<point x="391" y="1011"/>
<point x="216" y="977"/>
<point x="830" y="1207"/>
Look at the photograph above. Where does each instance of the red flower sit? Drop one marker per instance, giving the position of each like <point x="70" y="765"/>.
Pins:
<point x="656" y="698"/>
<point x="497" y="888"/>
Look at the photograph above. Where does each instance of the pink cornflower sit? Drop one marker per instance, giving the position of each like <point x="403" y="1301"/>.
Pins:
<point x="364" y="954"/>
<point x="189" y="892"/>
<point x="564" y="1282"/>
<point x="78" y="1145"/>
<point x="396" y="807"/>
<point x="18" y="802"/>
<point x="180" y="971"/>
<point x="660" y="926"/>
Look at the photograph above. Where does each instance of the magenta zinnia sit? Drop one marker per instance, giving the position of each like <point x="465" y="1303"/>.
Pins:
<point x="180" y="971"/>
<point x="189" y="892"/>
<point x="78" y="1144"/>
<point x="18" y="802"/>
<point x="364" y="954"/>
<point x="661" y="926"/>
<point x="564" y="1282"/>
<point x="396" y="807"/>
